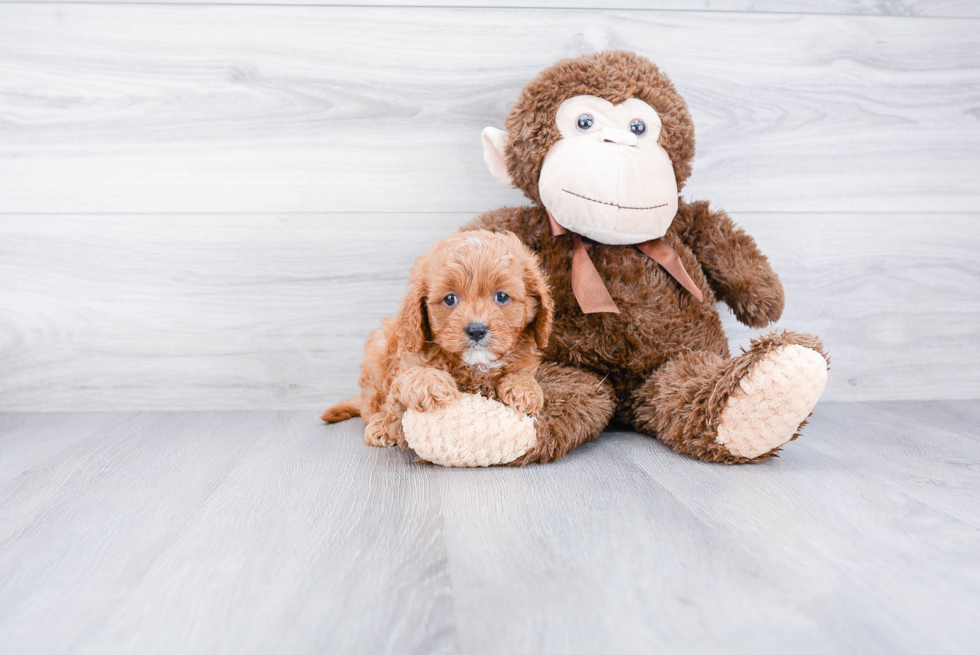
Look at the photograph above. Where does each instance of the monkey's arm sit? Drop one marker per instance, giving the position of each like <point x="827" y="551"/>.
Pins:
<point x="736" y="269"/>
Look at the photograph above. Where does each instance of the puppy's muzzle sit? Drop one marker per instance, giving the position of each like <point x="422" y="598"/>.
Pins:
<point x="476" y="331"/>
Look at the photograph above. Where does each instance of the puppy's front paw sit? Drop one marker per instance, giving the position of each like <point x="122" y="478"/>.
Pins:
<point x="422" y="388"/>
<point x="521" y="392"/>
<point x="376" y="432"/>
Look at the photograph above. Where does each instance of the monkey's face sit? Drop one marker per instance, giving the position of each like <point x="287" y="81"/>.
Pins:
<point x="607" y="177"/>
<point x="603" y="141"/>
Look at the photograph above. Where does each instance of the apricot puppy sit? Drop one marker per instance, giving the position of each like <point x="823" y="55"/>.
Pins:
<point x="474" y="320"/>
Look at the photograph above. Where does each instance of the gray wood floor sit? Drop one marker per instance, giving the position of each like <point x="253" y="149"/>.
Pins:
<point x="256" y="532"/>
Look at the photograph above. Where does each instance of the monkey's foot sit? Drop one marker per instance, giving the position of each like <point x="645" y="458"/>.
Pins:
<point x="470" y="431"/>
<point x="772" y="400"/>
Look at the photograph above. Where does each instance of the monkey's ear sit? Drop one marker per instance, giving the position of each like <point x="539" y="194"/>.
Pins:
<point x="412" y="318"/>
<point x="495" y="144"/>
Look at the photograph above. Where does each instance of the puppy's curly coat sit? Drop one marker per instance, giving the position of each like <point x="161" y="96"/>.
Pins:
<point x="475" y="318"/>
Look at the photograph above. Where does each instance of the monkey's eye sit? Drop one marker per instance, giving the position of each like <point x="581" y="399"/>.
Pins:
<point x="638" y="127"/>
<point x="585" y="122"/>
<point x="501" y="298"/>
<point x="450" y="300"/>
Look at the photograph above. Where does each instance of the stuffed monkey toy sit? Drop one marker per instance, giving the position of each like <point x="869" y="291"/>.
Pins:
<point x="601" y="145"/>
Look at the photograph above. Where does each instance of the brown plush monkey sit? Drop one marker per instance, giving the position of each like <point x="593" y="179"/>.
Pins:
<point x="601" y="145"/>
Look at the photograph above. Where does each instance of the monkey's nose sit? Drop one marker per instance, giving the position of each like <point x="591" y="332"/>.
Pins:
<point x="622" y="137"/>
<point x="476" y="331"/>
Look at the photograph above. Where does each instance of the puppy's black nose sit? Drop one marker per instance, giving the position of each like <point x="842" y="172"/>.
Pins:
<point x="476" y="331"/>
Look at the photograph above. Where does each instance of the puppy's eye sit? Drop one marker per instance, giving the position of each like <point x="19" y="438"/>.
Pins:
<point x="638" y="127"/>
<point x="585" y="122"/>
<point x="450" y="300"/>
<point x="501" y="298"/>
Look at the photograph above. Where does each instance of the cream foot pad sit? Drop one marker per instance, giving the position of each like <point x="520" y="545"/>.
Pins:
<point x="472" y="431"/>
<point x="771" y="401"/>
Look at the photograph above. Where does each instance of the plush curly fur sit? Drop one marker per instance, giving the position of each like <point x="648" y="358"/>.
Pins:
<point x="424" y="357"/>
<point x="662" y="364"/>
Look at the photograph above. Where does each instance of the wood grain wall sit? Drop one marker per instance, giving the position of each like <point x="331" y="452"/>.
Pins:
<point x="207" y="206"/>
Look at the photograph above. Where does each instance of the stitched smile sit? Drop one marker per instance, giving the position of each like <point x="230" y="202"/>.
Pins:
<point x="603" y="202"/>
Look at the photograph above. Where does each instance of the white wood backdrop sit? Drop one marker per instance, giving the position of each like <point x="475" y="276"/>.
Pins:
<point x="207" y="206"/>
<point x="944" y="8"/>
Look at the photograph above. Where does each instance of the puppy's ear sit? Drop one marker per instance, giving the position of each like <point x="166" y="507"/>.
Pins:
<point x="413" y="318"/>
<point x="537" y="287"/>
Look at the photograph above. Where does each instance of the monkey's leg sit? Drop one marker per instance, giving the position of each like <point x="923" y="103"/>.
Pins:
<point x="577" y="406"/>
<point x="475" y="431"/>
<point x="736" y="410"/>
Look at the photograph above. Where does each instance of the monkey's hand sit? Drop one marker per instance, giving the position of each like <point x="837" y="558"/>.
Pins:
<point x="423" y="388"/>
<point x="470" y="431"/>
<point x="521" y="392"/>
<point x="755" y="296"/>
<point x="738" y="272"/>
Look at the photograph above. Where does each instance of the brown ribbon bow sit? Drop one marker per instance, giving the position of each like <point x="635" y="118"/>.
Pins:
<point x="587" y="285"/>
